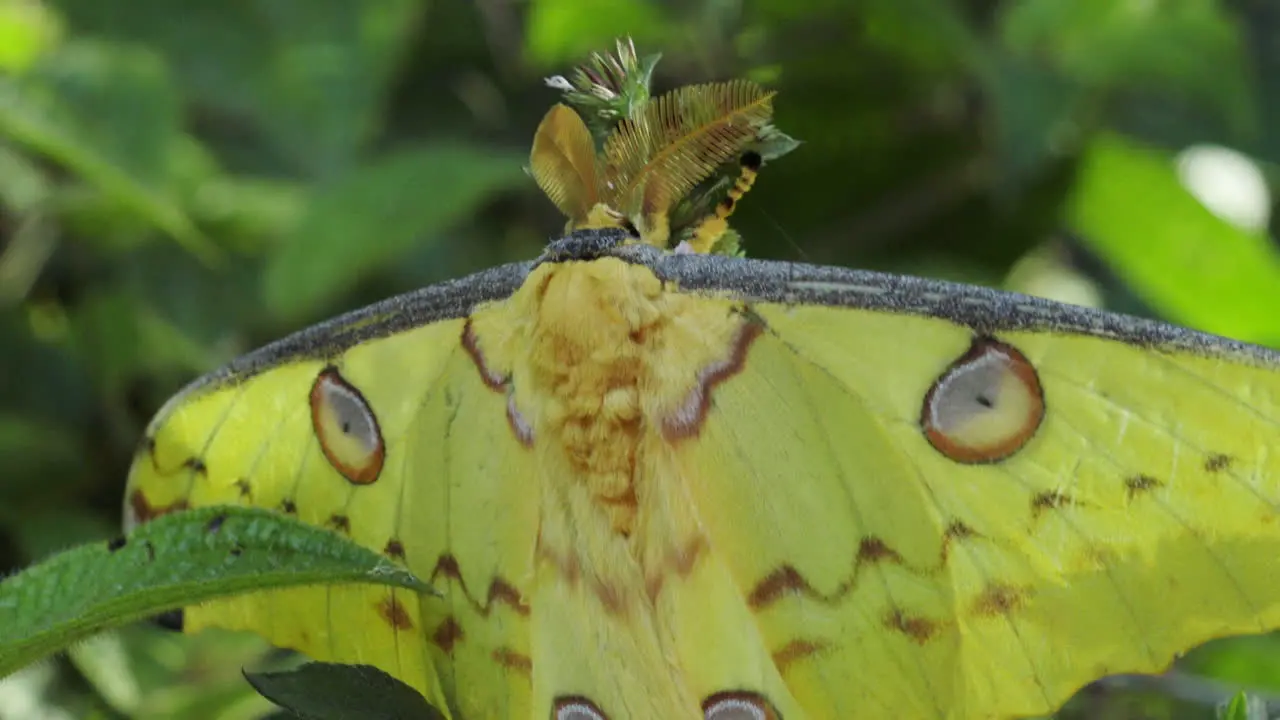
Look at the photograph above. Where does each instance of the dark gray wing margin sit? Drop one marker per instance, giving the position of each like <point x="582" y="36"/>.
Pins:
<point x="983" y="310"/>
<point x="445" y="301"/>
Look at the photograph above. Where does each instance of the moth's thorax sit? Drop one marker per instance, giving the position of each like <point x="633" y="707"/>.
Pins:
<point x="611" y="371"/>
<point x="602" y="357"/>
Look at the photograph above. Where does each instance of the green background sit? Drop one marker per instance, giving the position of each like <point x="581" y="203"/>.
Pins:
<point x="182" y="181"/>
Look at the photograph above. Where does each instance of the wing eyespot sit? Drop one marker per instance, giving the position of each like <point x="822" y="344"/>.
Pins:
<point x="985" y="406"/>
<point x="738" y="705"/>
<point x="347" y="428"/>
<point x="576" y="708"/>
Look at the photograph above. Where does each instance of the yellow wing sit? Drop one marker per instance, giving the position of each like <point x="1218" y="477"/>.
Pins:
<point x="669" y="486"/>
<point x="378" y="426"/>
<point x="946" y="502"/>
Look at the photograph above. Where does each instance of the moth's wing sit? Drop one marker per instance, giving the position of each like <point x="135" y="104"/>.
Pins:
<point x="449" y="497"/>
<point x="887" y="578"/>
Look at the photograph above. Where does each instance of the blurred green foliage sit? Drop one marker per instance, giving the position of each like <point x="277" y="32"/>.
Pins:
<point x="183" y="181"/>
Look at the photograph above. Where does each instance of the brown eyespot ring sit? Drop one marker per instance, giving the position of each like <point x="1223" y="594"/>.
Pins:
<point x="985" y="406"/>
<point x="346" y="428"/>
<point x="576" y="708"/>
<point x="738" y="705"/>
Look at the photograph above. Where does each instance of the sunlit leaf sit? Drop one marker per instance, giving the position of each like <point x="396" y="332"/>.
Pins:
<point x="558" y="31"/>
<point x="27" y="31"/>
<point x="1245" y="661"/>
<point x="1190" y="265"/>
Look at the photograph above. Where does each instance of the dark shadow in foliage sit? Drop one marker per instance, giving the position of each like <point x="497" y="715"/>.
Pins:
<point x="330" y="691"/>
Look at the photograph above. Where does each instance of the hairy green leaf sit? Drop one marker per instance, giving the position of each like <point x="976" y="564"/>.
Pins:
<point x="175" y="560"/>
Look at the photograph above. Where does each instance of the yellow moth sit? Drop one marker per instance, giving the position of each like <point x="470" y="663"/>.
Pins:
<point x="675" y="484"/>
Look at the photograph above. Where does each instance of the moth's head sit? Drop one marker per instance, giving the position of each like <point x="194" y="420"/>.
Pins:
<point x="669" y="170"/>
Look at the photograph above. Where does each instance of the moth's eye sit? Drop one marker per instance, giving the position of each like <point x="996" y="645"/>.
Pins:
<point x="738" y="706"/>
<point x="347" y="428"/>
<point x="577" y="708"/>
<point x="985" y="406"/>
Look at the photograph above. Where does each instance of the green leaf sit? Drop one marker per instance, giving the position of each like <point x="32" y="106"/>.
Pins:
<point x="1190" y="47"/>
<point x="175" y="560"/>
<point x="24" y="185"/>
<point x="329" y="691"/>
<point x="1033" y="111"/>
<point x="559" y="32"/>
<point x="117" y="334"/>
<point x="111" y="116"/>
<point x="27" y="30"/>
<point x="39" y="456"/>
<point x="1236" y="708"/>
<point x="375" y="214"/>
<point x="104" y="662"/>
<point x="1180" y="258"/>
<point x="38" y="531"/>
<point x="249" y="210"/>
<point x="1250" y="661"/>
<point x="1243" y="707"/>
<point x="310" y="75"/>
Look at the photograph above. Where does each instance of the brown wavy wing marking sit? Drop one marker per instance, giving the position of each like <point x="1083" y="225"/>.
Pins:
<point x="786" y="581"/>
<point x="512" y="660"/>
<point x="450" y="632"/>
<point x="143" y="510"/>
<point x="917" y="627"/>
<point x="193" y="464"/>
<point x="500" y="591"/>
<point x="611" y="599"/>
<point x="1217" y="462"/>
<point x="1140" y="484"/>
<point x="1049" y="500"/>
<point x="687" y="419"/>
<point x="339" y="523"/>
<point x="140" y="508"/>
<point x="797" y="650"/>
<point x="679" y="562"/>
<point x="497" y="382"/>
<point x="447" y="634"/>
<point x="1000" y="599"/>
<point x="391" y="610"/>
<point x="394" y="549"/>
<point x="956" y="532"/>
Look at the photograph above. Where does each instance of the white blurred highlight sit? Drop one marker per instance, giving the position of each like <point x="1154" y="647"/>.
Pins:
<point x="1228" y="183"/>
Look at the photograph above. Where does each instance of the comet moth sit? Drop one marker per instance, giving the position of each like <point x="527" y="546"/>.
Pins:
<point x="653" y="479"/>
